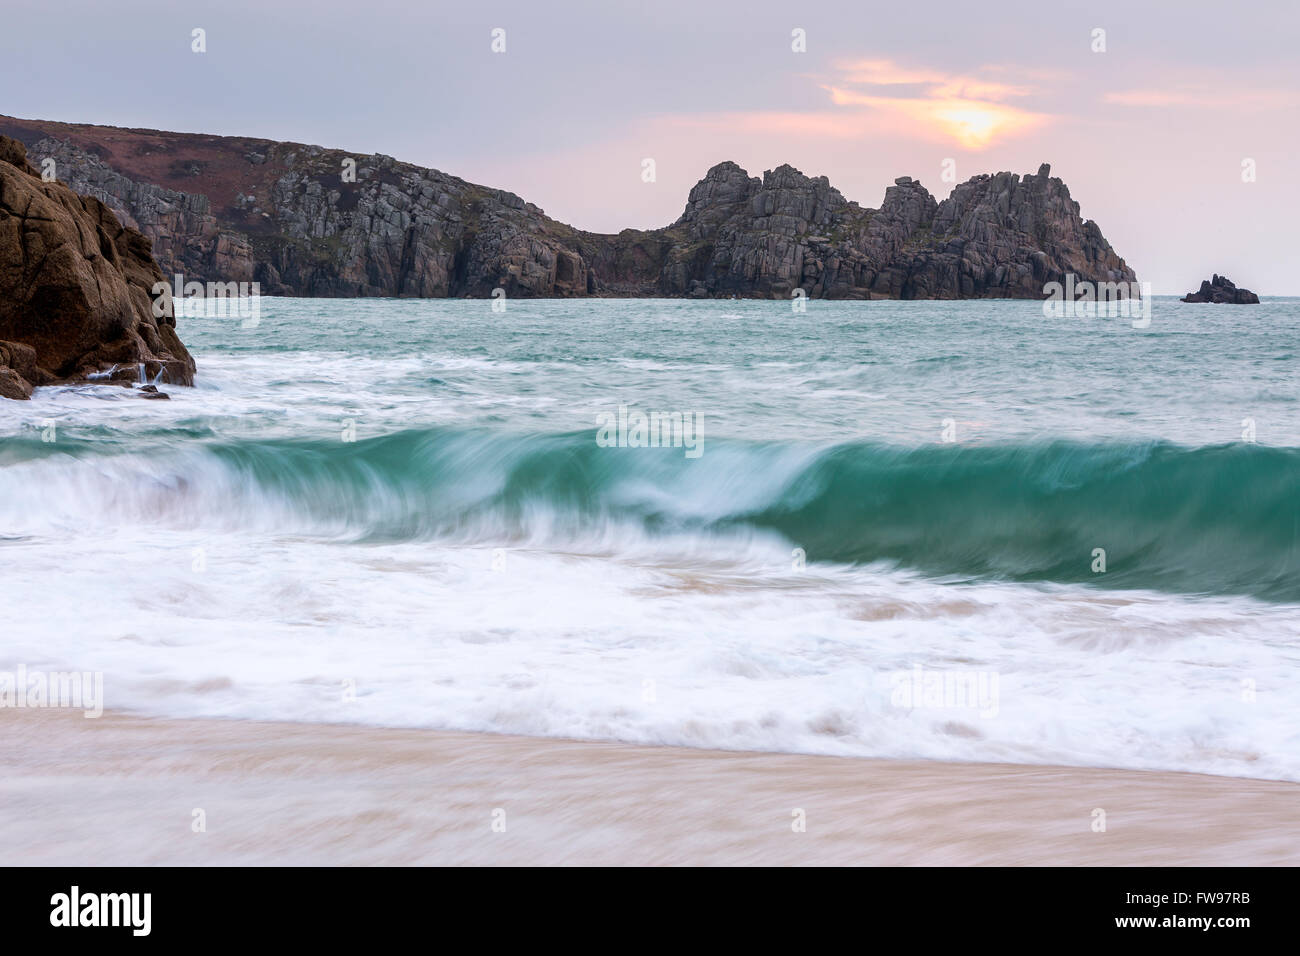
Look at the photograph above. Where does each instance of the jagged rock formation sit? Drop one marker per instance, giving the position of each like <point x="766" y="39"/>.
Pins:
<point x="1221" y="291"/>
<point x="995" y="236"/>
<point x="290" y="217"/>
<point x="76" y="287"/>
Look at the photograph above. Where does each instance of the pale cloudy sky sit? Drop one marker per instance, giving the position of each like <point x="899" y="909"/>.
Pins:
<point x="1151" y="134"/>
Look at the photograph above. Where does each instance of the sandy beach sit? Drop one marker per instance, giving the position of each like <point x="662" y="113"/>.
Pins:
<point x="125" y="791"/>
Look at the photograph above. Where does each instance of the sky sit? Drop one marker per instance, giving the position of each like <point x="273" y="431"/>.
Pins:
<point x="1175" y="126"/>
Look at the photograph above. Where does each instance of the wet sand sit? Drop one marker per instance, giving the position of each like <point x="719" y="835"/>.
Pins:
<point x="124" y="791"/>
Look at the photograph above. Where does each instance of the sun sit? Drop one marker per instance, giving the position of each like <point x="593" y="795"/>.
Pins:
<point x="974" y="124"/>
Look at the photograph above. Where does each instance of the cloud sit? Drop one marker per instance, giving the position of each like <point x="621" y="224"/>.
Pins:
<point x="822" y="124"/>
<point x="1201" y="96"/>
<point x="971" y="110"/>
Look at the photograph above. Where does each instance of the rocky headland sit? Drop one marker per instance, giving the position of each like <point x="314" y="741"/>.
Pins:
<point x="1220" y="290"/>
<point x="293" y="219"/>
<point x="76" y="291"/>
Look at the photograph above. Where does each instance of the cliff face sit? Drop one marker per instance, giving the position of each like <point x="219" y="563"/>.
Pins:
<point x="226" y="209"/>
<point x="995" y="236"/>
<point x="186" y="236"/>
<point x="76" y="286"/>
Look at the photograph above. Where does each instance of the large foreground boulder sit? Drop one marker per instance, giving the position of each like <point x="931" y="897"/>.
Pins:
<point x="1221" y="291"/>
<point x="76" y="290"/>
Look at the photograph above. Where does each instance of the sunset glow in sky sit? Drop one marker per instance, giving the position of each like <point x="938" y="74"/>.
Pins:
<point x="1151" y="134"/>
<point x="969" y="112"/>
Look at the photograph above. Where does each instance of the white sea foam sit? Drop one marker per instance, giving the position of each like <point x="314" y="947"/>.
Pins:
<point x="201" y="598"/>
<point x="199" y="592"/>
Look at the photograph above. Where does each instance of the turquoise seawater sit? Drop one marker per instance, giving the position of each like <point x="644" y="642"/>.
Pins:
<point x="453" y="509"/>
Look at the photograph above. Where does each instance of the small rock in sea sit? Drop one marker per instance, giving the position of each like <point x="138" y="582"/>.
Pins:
<point x="1221" y="291"/>
<point x="13" y="385"/>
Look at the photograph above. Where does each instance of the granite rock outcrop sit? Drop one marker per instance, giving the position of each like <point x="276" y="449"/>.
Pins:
<point x="303" y="220"/>
<point x="1220" y="290"/>
<point x="77" y="299"/>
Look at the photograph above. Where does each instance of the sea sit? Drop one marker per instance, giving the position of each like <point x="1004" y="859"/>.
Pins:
<point x="954" y="531"/>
